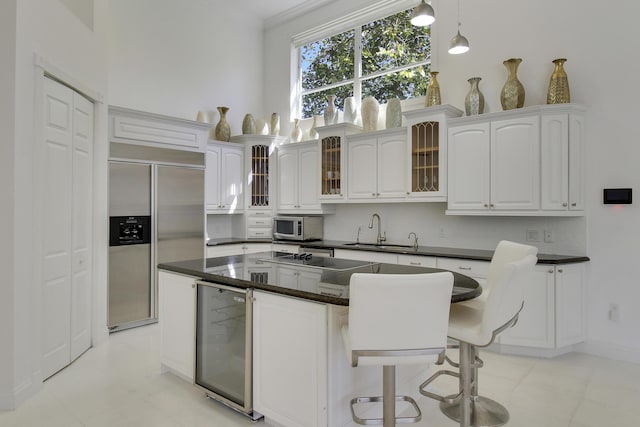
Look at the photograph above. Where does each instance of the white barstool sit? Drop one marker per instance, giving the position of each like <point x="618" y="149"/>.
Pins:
<point x="395" y="319"/>
<point x="475" y="324"/>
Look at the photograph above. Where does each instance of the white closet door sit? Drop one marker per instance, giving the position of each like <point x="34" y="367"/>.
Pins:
<point x="81" y="226"/>
<point x="66" y="216"/>
<point x="56" y="292"/>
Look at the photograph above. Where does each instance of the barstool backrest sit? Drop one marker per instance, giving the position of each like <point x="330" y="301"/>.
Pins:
<point x="505" y="253"/>
<point x="399" y="313"/>
<point x="507" y="294"/>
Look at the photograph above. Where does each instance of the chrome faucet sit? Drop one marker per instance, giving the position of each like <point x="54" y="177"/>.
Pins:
<point x="381" y="237"/>
<point x="358" y="235"/>
<point x="415" y="241"/>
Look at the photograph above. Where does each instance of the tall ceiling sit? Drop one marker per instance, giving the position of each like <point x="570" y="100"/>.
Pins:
<point x="270" y="8"/>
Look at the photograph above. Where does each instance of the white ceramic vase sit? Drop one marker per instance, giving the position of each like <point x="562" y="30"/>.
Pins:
<point x="330" y="111"/>
<point x="274" y="129"/>
<point x="296" y="133"/>
<point x="394" y="113"/>
<point x="350" y="112"/>
<point x="369" y="112"/>
<point x="313" y="133"/>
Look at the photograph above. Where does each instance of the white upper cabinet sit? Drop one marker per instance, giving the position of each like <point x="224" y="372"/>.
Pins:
<point x="376" y="165"/>
<point x="298" y="178"/>
<point x="515" y="164"/>
<point x="426" y="152"/>
<point x="522" y="163"/>
<point x="224" y="178"/>
<point x="562" y="170"/>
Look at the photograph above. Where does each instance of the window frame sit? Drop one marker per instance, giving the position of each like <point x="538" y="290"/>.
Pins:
<point x="353" y="21"/>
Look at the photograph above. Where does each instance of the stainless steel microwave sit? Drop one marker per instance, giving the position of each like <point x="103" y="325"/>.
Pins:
<point x="301" y="228"/>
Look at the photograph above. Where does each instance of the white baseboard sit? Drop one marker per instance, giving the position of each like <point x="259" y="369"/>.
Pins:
<point x="21" y="393"/>
<point x="530" y="351"/>
<point x="610" y="351"/>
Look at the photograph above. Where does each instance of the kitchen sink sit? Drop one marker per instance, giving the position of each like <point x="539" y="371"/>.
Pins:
<point x="379" y="246"/>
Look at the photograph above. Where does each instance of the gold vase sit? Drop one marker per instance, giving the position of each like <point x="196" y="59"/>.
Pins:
<point x="559" y="84"/>
<point x="512" y="95"/>
<point x="223" y="131"/>
<point x="433" y="91"/>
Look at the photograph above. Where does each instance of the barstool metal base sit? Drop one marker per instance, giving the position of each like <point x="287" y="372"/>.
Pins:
<point x="485" y="412"/>
<point x="380" y="421"/>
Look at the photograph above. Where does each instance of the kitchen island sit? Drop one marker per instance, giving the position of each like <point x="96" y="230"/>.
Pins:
<point x="301" y="374"/>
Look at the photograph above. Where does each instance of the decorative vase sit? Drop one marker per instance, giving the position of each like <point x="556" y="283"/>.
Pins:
<point x="274" y="129"/>
<point x="350" y="113"/>
<point x="262" y="127"/>
<point x="512" y="95"/>
<point x="330" y="112"/>
<point x="474" y="102"/>
<point x="248" y="125"/>
<point x="296" y="133"/>
<point x="369" y="111"/>
<point x="202" y="117"/>
<point x="394" y="113"/>
<point x="313" y="133"/>
<point x="559" y="85"/>
<point x="433" y="91"/>
<point x="223" y="131"/>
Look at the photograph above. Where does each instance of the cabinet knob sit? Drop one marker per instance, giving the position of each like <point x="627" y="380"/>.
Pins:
<point x="373" y="194"/>
<point x="377" y="194"/>
<point x="486" y="205"/>
<point x="559" y="270"/>
<point x="491" y="205"/>
<point x="408" y="193"/>
<point x="574" y="204"/>
<point x="564" y="205"/>
<point x="465" y="268"/>
<point x="550" y="271"/>
<point x="415" y="263"/>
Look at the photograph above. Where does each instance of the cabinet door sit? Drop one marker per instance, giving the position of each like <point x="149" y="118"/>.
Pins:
<point x="287" y="179"/>
<point x="257" y="161"/>
<point x="535" y="327"/>
<point x="292" y="331"/>
<point x="417" y="260"/>
<point x="554" y="162"/>
<point x="308" y="178"/>
<point x="331" y="168"/>
<point x="362" y="169"/>
<point x="177" y="299"/>
<point x="570" y="304"/>
<point x="391" y="166"/>
<point x="231" y="180"/>
<point x="515" y="164"/>
<point x="469" y="163"/>
<point x="576" y="162"/>
<point x="212" y="176"/>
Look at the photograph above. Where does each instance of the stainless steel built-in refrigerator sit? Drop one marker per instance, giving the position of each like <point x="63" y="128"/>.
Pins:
<point x="156" y="214"/>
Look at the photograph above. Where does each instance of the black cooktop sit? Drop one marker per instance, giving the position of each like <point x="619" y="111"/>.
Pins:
<point x="336" y="264"/>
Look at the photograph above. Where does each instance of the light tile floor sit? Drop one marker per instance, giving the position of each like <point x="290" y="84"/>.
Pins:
<point x="120" y="384"/>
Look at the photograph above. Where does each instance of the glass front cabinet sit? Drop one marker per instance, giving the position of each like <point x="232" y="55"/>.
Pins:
<point x="332" y="140"/>
<point x="427" y="151"/>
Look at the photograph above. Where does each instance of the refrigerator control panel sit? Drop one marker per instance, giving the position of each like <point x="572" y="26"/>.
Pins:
<point x="129" y="230"/>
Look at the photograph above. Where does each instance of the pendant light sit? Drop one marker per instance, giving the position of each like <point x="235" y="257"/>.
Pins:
<point x="423" y="15"/>
<point x="459" y="43"/>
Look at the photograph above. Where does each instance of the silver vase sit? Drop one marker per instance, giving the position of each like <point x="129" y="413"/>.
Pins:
<point x="474" y="102"/>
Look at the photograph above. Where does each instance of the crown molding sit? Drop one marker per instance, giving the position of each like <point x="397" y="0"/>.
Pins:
<point x="291" y="13"/>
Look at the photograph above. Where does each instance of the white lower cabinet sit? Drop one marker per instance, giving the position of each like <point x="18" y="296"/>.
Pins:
<point x="290" y="360"/>
<point x="554" y="313"/>
<point x="177" y="305"/>
<point x="366" y="256"/>
<point x="237" y="249"/>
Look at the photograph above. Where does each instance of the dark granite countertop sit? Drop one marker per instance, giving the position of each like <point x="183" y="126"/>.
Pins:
<point x="460" y="253"/>
<point x="322" y="285"/>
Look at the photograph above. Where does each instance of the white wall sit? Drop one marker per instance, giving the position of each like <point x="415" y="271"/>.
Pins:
<point x="601" y="76"/>
<point x="7" y="92"/>
<point x="51" y="31"/>
<point x="176" y="58"/>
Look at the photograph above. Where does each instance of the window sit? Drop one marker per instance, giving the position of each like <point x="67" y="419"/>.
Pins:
<point x="384" y="58"/>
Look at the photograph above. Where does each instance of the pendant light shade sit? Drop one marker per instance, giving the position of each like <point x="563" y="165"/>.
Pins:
<point x="459" y="44"/>
<point x="423" y="15"/>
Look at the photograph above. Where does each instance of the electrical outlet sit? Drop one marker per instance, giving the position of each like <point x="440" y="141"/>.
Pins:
<point x="548" y="236"/>
<point x="533" y="235"/>
<point x="614" y="312"/>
